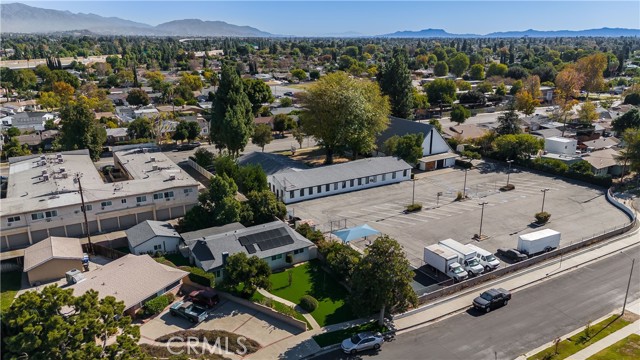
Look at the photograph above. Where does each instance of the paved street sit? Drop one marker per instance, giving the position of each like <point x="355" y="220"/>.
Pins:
<point x="534" y="317"/>
<point x="577" y="211"/>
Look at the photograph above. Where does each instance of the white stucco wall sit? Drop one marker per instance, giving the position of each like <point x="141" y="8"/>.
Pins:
<point x="168" y="244"/>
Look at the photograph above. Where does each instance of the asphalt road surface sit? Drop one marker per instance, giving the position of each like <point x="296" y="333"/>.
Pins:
<point x="534" y="316"/>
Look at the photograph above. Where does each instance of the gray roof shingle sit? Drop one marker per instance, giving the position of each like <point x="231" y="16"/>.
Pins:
<point x="401" y="127"/>
<point x="270" y="163"/>
<point x="149" y="229"/>
<point x="199" y="234"/>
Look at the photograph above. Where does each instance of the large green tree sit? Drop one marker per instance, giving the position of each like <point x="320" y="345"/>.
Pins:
<point x="262" y="135"/>
<point x="258" y="92"/>
<point x="517" y="147"/>
<point x="217" y="206"/>
<point x="458" y="64"/>
<point x="459" y="113"/>
<point x="265" y="206"/>
<point x="441" y="91"/>
<point x="630" y="120"/>
<point x="53" y="324"/>
<point x="140" y="128"/>
<point x="80" y="129"/>
<point x="231" y="115"/>
<point x="407" y="147"/>
<point x="381" y="281"/>
<point x="250" y="272"/>
<point x="342" y="111"/>
<point x="509" y="122"/>
<point x="138" y="97"/>
<point x="395" y="82"/>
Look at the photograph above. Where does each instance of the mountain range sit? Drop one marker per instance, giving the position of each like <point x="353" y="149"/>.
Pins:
<point x="20" y="18"/>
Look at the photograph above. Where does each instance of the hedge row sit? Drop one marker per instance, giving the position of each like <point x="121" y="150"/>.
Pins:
<point x="556" y="167"/>
<point x="200" y="276"/>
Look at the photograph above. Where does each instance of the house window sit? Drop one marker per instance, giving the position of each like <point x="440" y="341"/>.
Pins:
<point x="13" y="219"/>
<point x="157" y="247"/>
<point x="351" y="183"/>
<point x="384" y="177"/>
<point x="310" y="191"/>
<point x="168" y="194"/>
<point x="217" y="273"/>
<point x="327" y="188"/>
<point x="359" y="181"/>
<point x="37" y="216"/>
<point x="344" y="184"/>
<point x="319" y="189"/>
<point x="276" y="257"/>
<point x="141" y="199"/>
<point x="157" y="196"/>
<point x="298" y="251"/>
<point x="50" y="214"/>
<point x="366" y="180"/>
<point x="89" y="208"/>
<point x="123" y="201"/>
<point x="291" y="194"/>
<point x="405" y="172"/>
<point x="187" y="191"/>
<point x="105" y="203"/>
<point x="393" y="175"/>
<point x="301" y="192"/>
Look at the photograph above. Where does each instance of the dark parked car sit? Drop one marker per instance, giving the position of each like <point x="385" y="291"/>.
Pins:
<point x="288" y="93"/>
<point x="492" y="299"/>
<point x="206" y="298"/>
<point x="190" y="146"/>
<point x="511" y="254"/>
<point x="190" y="311"/>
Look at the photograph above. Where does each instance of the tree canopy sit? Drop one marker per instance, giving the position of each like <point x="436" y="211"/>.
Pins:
<point x="80" y="129"/>
<point x="262" y="135"/>
<point x="441" y="91"/>
<point x="407" y="147"/>
<point x="250" y="272"/>
<point x="395" y="82"/>
<point x="629" y="120"/>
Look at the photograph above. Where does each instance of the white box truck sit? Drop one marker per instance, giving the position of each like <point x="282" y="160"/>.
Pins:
<point x="466" y="256"/>
<point x="538" y="242"/>
<point x="445" y="261"/>
<point x="486" y="259"/>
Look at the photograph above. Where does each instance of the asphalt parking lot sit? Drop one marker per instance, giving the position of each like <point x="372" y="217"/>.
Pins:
<point x="578" y="211"/>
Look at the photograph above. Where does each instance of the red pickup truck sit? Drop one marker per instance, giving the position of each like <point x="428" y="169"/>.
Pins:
<point x="207" y="298"/>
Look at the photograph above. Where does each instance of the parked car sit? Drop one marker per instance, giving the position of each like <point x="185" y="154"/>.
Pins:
<point x="190" y="146"/>
<point x="512" y="254"/>
<point x="206" y="298"/>
<point x="362" y="341"/>
<point x="492" y="299"/>
<point x="190" y="311"/>
<point x="288" y="93"/>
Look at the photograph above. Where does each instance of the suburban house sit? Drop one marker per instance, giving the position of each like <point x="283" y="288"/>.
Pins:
<point x="25" y="120"/>
<point x="43" y="197"/>
<point x="131" y="279"/>
<point x="436" y="153"/>
<point x="49" y="259"/>
<point x="202" y="122"/>
<point x="201" y="234"/>
<point x="465" y="131"/>
<point x="39" y="140"/>
<point x="268" y="120"/>
<point x="293" y="186"/>
<point x="117" y="135"/>
<point x="275" y="242"/>
<point x="598" y="144"/>
<point x="270" y="163"/>
<point x="150" y="237"/>
<point x="604" y="162"/>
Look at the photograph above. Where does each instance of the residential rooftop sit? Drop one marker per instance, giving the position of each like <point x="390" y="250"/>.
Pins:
<point x="52" y="247"/>
<point x="149" y="229"/>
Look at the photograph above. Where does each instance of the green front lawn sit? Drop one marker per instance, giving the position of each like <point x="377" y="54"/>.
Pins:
<point x="625" y="349"/>
<point x="336" y="337"/>
<point x="10" y="283"/>
<point x="311" y="279"/>
<point x="579" y="341"/>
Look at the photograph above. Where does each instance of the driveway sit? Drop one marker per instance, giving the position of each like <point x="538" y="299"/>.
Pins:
<point x="228" y="316"/>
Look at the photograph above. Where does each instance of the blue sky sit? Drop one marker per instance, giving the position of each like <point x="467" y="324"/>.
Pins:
<point x="372" y="17"/>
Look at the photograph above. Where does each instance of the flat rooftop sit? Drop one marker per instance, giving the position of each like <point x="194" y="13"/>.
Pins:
<point x="37" y="183"/>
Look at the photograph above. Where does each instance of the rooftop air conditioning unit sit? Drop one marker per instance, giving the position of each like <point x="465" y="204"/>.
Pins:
<point x="62" y="169"/>
<point x="59" y="155"/>
<point x="172" y="177"/>
<point x="154" y="167"/>
<point x="65" y="175"/>
<point x="153" y="159"/>
<point x="43" y="157"/>
<point x="45" y="177"/>
<point x="42" y="163"/>
<point x="44" y="172"/>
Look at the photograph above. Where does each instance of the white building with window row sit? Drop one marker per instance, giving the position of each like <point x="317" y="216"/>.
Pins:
<point x="292" y="185"/>
<point x="43" y="197"/>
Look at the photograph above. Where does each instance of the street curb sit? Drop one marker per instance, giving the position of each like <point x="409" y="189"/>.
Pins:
<point x="324" y="350"/>
<point x="402" y="330"/>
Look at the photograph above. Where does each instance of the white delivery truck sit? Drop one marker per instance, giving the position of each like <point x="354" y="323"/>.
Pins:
<point x="486" y="259"/>
<point x="466" y="256"/>
<point x="445" y="261"/>
<point x="538" y="242"/>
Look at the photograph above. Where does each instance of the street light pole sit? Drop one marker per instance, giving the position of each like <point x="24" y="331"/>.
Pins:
<point x="464" y="188"/>
<point x="481" y="217"/>
<point x="509" y="171"/>
<point x="413" y="194"/>
<point x="544" y="194"/>
<point x="438" y="198"/>
<point x="633" y="261"/>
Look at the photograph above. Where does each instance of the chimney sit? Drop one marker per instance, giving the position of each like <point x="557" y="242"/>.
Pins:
<point x="225" y="255"/>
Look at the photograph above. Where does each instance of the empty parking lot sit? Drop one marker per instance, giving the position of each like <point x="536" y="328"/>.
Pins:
<point x="578" y="211"/>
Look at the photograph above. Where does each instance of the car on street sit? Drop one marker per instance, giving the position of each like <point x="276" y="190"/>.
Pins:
<point x="188" y="310"/>
<point x="190" y="146"/>
<point x="206" y="298"/>
<point x="288" y="93"/>
<point x="512" y="254"/>
<point x="492" y="299"/>
<point x="362" y="341"/>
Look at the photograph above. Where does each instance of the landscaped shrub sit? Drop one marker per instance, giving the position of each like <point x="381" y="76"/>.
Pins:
<point x="471" y="155"/>
<point x="414" y="207"/>
<point x="156" y="305"/>
<point x="200" y="276"/>
<point x="542" y="217"/>
<point x="507" y="187"/>
<point x="459" y="196"/>
<point x="464" y="164"/>
<point x="308" y="303"/>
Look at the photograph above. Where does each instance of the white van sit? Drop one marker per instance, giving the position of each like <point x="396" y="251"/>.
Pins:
<point x="485" y="258"/>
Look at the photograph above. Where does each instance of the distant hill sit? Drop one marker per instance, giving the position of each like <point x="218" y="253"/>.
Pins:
<point x="20" y="18"/>
<point x="439" y="33"/>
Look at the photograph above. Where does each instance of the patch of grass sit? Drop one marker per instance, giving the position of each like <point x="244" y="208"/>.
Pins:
<point x="279" y="307"/>
<point x="212" y="336"/>
<point x="10" y="283"/>
<point x="162" y="352"/>
<point x="336" y="337"/>
<point x="301" y="86"/>
<point x="311" y="279"/>
<point x="583" y="339"/>
<point x="177" y="259"/>
<point x="625" y="349"/>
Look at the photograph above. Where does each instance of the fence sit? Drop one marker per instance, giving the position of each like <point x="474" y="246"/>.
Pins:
<point x="103" y="251"/>
<point x="584" y="242"/>
<point x="204" y="172"/>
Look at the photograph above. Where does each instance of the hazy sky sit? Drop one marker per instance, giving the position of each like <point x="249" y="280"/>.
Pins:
<point x="371" y="17"/>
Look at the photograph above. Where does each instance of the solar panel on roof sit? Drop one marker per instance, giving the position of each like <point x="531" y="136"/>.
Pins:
<point x="251" y="249"/>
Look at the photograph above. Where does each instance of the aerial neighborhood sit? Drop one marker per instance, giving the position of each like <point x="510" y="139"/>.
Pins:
<point x="201" y="190"/>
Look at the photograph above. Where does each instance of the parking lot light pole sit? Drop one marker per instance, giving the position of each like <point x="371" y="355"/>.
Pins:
<point x="464" y="188"/>
<point x="438" y="198"/>
<point x="509" y="171"/>
<point x="413" y="194"/>
<point x="633" y="261"/>
<point x="481" y="216"/>
<point x="544" y="194"/>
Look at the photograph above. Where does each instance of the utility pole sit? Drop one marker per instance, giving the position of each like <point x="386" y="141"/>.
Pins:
<point x="84" y="212"/>
<point x="481" y="216"/>
<point x="544" y="194"/>
<point x="464" y="188"/>
<point x="633" y="261"/>
<point x="509" y="171"/>
<point x="413" y="194"/>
